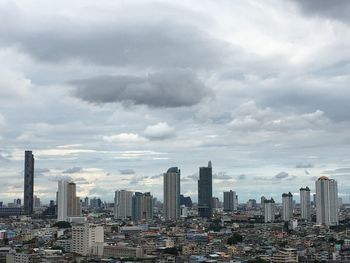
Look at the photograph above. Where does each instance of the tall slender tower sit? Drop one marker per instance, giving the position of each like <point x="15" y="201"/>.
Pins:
<point x="28" y="182"/>
<point x="269" y="210"/>
<point x="205" y="191"/>
<point x="123" y="204"/>
<point x="171" y="189"/>
<point x="327" y="201"/>
<point x="287" y="206"/>
<point x="305" y="203"/>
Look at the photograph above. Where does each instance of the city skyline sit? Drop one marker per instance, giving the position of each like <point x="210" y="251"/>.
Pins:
<point x="259" y="88"/>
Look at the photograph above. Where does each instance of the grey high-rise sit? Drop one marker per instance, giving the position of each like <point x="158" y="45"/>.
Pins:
<point x="28" y="182"/>
<point x="230" y="201"/>
<point x="305" y="204"/>
<point x="287" y="206"/>
<point x="171" y="190"/>
<point x="205" y="191"/>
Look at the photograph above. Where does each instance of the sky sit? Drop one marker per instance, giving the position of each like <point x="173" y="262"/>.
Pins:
<point x="110" y="94"/>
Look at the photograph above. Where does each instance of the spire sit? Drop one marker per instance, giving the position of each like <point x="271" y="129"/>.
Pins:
<point x="209" y="164"/>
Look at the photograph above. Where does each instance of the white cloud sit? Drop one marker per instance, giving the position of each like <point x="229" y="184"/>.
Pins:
<point x="159" y="131"/>
<point x="124" y="138"/>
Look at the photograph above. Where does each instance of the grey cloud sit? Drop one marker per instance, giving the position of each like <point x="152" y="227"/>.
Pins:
<point x="306" y="172"/>
<point x="81" y="180"/>
<point x="61" y="177"/>
<point x="157" y="176"/>
<point x="4" y="159"/>
<point x="336" y="9"/>
<point x="304" y="165"/>
<point x="337" y="171"/>
<point x="281" y="175"/>
<point x="73" y="170"/>
<point x="127" y="171"/>
<point x="38" y="172"/>
<point x="242" y="177"/>
<point x="159" y="131"/>
<point x="222" y="176"/>
<point x="173" y="88"/>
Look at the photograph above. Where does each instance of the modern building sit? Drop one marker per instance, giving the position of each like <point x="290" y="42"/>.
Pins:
<point x="287" y="206"/>
<point x="85" y="237"/>
<point x="305" y="203"/>
<point x="123" y="204"/>
<point x="230" y="201"/>
<point x="28" y="202"/>
<point x="171" y="191"/>
<point x="142" y="206"/>
<point x="327" y="201"/>
<point x="68" y="204"/>
<point x="205" y="191"/>
<point x="123" y="252"/>
<point x="269" y="210"/>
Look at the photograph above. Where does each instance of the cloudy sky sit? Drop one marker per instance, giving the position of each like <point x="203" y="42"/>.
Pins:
<point x="113" y="93"/>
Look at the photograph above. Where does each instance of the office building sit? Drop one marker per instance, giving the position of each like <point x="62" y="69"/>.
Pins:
<point x="28" y="202"/>
<point x="327" y="201"/>
<point x="171" y="191"/>
<point x="123" y="204"/>
<point x="287" y="206"/>
<point x="68" y="204"/>
<point x="269" y="210"/>
<point x="142" y="206"/>
<point x="305" y="203"/>
<point x="205" y="191"/>
<point x="230" y="201"/>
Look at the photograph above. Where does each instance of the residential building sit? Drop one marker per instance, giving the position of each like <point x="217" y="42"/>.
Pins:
<point x="171" y="191"/>
<point x="205" y="191"/>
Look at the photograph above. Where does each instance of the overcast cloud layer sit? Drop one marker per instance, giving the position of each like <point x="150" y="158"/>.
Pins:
<point x="112" y="94"/>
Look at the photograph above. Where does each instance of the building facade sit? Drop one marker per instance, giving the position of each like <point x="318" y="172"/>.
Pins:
<point x="305" y="203"/>
<point x="205" y="191"/>
<point x="28" y="201"/>
<point x="287" y="206"/>
<point x="230" y="201"/>
<point x="123" y="204"/>
<point x="68" y="204"/>
<point x="171" y="191"/>
<point x="327" y="201"/>
<point x="269" y="210"/>
<point x="142" y="206"/>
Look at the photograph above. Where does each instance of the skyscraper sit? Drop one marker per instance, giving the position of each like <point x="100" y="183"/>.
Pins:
<point x="205" y="191"/>
<point x="287" y="206"/>
<point x="171" y="190"/>
<point x="123" y="204"/>
<point x="142" y="206"/>
<point x="305" y="203"/>
<point x="68" y="204"/>
<point x="269" y="210"/>
<point x="326" y="201"/>
<point x="28" y="182"/>
<point x="229" y="201"/>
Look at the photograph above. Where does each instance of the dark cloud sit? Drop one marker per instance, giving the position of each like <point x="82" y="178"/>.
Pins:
<point x="73" y="170"/>
<point x="242" y="177"/>
<point x="173" y="88"/>
<point x="304" y="165"/>
<point x="222" y="176"/>
<point x="157" y="176"/>
<point x="127" y="171"/>
<point x="281" y="175"/>
<point x="61" y="177"/>
<point x="334" y="9"/>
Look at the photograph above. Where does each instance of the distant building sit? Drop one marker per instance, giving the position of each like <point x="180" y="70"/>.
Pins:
<point x="305" y="203"/>
<point x="142" y="206"/>
<point x="205" y="191"/>
<point x="171" y="191"/>
<point x="287" y="206"/>
<point x="28" y="182"/>
<point x="327" y="201"/>
<point x="269" y="211"/>
<point x="37" y="202"/>
<point x="230" y="201"/>
<point x="251" y="204"/>
<point x="185" y="200"/>
<point x="123" y="204"/>
<point x="85" y="237"/>
<point x="68" y="204"/>
<point x="216" y="203"/>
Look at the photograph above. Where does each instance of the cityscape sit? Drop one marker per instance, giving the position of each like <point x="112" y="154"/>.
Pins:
<point x="137" y="227"/>
<point x="162" y="131"/>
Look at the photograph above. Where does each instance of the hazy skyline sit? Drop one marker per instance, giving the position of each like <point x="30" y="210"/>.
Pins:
<point x="113" y="93"/>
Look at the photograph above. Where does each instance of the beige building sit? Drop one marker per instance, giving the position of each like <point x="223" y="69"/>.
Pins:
<point x="286" y="255"/>
<point x="68" y="204"/>
<point x="123" y="252"/>
<point x="86" y="239"/>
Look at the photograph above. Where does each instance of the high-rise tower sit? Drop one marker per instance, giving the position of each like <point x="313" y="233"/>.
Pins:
<point x="123" y="204"/>
<point x="171" y="189"/>
<point x="205" y="191"/>
<point x="326" y="201"/>
<point x="287" y="206"/>
<point x="305" y="203"/>
<point x="68" y="204"/>
<point x="28" y="182"/>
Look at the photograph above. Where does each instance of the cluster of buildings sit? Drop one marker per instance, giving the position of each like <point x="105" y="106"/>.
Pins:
<point x="138" y="228"/>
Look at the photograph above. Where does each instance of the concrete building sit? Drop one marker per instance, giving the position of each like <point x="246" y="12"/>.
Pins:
<point x="286" y="255"/>
<point x="28" y="201"/>
<point x="171" y="191"/>
<point x="205" y="191"/>
<point x="85" y="237"/>
<point x="123" y="252"/>
<point x="123" y="204"/>
<point x="269" y="210"/>
<point x="68" y="204"/>
<point x="327" y="201"/>
<point x="230" y="203"/>
<point x="305" y="203"/>
<point x="142" y="206"/>
<point x="287" y="206"/>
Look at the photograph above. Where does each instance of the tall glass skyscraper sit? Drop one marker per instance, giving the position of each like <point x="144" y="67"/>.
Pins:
<point x="205" y="191"/>
<point x="28" y="202"/>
